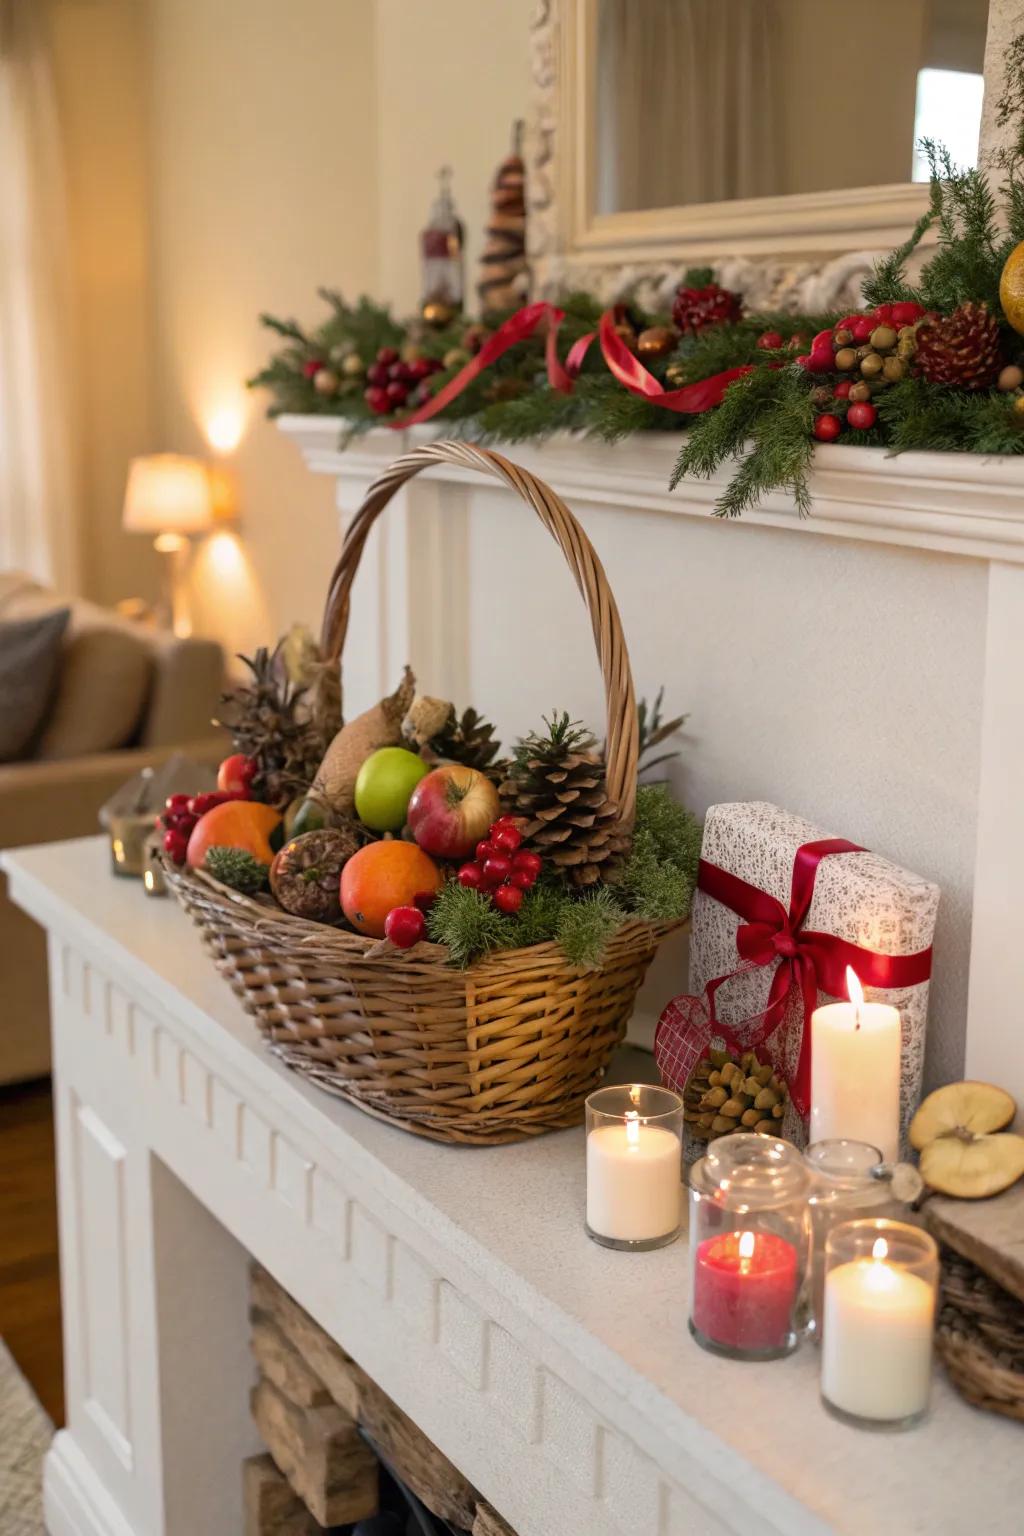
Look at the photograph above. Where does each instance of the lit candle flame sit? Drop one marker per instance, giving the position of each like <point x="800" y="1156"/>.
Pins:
<point x="880" y="1250"/>
<point x="855" y="992"/>
<point x="632" y="1127"/>
<point x="746" y="1245"/>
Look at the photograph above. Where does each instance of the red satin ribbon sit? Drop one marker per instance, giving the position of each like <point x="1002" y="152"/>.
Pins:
<point x="807" y="960"/>
<point x="691" y="400"/>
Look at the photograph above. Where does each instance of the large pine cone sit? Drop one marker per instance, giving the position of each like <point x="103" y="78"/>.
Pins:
<point x="568" y="817"/>
<point x="962" y="350"/>
<point x="729" y="1093"/>
<point x="696" y="308"/>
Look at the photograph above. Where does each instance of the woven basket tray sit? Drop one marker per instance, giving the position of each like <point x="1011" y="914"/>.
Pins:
<point x="506" y="1049"/>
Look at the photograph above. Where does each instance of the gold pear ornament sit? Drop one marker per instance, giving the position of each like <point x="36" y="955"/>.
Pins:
<point x="965" y="1149"/>
<point x="1011" y="288"/>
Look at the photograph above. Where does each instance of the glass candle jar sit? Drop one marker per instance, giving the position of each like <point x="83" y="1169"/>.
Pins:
<point x="634" y="1166"/>
<point x="881" y="1282"/>
<point x="847" y="1181"/>
<point x="748" y="1244"/>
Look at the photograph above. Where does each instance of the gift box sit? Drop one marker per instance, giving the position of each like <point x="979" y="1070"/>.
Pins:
<point x="781" y="909"/>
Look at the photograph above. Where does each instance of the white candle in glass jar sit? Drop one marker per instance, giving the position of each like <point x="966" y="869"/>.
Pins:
<point x="876" y="1355"/>
<point x="855" y="1072"/>
<point x="634" y="1180"/>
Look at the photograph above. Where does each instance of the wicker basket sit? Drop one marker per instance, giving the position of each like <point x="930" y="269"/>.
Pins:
<point x="506" y="1049"/>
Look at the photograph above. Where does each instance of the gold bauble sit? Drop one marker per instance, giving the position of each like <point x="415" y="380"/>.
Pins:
<point x="353" y="366"/>
<point x="626" y="333"/>
<point x="1011" y="288"/>
<point x="456" y="357"/>
<point x="675" y="375"/>
<point x="1011" y="378"/>
<point x="438" y="313"/>
<point x="871" y="366"/>
<point x="883" y="338"/>
<point x="845" y="359"/>
<point x="325" y="381"/>
<point x="657" y="341"/>
<point x="1018" y="405"/>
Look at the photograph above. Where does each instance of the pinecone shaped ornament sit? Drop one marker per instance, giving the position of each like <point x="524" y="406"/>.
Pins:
<point x="695" y="308"/>
<point x="962" y="350"/>
<point x="729" y="1092"/>
<point x="556" y="784"/>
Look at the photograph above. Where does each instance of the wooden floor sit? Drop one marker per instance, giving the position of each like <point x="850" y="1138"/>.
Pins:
<point x="29" y="1286"/>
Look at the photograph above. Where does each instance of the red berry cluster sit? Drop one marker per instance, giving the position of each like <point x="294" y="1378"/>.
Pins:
<point x="502" y="869"/>
<point x="857" y="331"/>
<point x="181" y="812"/>
<point x="393" y="383"/>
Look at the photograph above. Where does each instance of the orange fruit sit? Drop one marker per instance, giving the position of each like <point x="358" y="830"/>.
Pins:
<point x="383" y="876"/>
<point x="245" y="824"/>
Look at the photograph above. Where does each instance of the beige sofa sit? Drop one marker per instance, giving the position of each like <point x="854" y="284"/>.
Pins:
<point x="126" y="696"/>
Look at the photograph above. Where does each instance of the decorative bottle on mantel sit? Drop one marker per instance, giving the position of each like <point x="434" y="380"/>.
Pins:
<point x="442" y="248"/>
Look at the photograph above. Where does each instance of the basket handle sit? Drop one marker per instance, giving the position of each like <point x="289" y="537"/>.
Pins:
<point x="622" y="747"/>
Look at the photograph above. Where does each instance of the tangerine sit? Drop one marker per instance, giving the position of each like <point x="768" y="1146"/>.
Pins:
<point x="383" y="876"/>
<point x="244" y="824"/>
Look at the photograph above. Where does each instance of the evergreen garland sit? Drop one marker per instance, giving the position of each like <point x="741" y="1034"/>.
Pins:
<point x="763" y="428"/>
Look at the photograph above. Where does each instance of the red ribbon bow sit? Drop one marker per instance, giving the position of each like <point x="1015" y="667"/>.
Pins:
<point x="806" y="959"/>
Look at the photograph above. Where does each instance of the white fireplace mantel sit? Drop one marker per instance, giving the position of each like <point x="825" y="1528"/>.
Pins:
<point x="939" y="517"/>
<point x="557" y="1375"/>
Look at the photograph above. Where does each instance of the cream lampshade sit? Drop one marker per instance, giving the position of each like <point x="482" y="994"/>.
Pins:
<point x="168" y="495"/>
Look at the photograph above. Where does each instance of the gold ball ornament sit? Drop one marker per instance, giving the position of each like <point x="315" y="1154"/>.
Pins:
<point x="883" y="338"/>
<point x="1011" y="378"/>
<point x="656" y="341"/>
<point x="893" y="369"/>
<point x="1011" y="288"/>
<point x="846" y="358"/>
<point x="353" y="366"/>
<point x="871" y="366"/>
<point x="1018" y="406"/>
<point x="626" y="334"/>
<point x="456" y="357"/>
<point x="675" y="375"/>
<point x="325" y="381"/>
<point x="438" y="313"/>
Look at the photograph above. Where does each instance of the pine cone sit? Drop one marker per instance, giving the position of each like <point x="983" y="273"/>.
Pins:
<point x="268" y="721"/>
<point x="306" y="874"/>
<point x="734" y="1093"/>
<point x="467" y="738"/>
<point x="962" y="350"/>
<point x="696" y="308"/>
<point x="556" y="783"/>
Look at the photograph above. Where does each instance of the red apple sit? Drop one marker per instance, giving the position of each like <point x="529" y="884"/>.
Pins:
<point x="451" y="810"/>
<point x="236" y="773"/>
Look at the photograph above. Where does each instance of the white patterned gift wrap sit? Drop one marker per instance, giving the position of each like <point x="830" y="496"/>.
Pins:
<point x="859" y="897"/>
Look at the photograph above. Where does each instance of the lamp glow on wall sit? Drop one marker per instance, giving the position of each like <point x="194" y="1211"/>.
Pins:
<point x="168" y="495"/>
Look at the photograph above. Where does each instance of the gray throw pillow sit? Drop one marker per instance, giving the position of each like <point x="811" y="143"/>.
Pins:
<point x="30" y="658"/>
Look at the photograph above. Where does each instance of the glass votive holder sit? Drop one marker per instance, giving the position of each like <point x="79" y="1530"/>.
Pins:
<point x="847" y="1181"/>
<point x="634" y="1166"/>
<point x="748" y="1246"/>
<point x="881" y="1284"/>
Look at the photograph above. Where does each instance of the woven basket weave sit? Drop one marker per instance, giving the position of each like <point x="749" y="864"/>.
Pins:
<point x="506" y="1049"/>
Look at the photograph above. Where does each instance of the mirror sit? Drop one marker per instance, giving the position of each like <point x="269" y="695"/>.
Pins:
<point x="709" y="101"/>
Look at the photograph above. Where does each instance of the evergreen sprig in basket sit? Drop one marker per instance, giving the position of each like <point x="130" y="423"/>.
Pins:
<point x="509" y="1047"/>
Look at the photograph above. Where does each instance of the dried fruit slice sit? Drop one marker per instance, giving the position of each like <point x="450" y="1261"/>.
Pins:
<point x="973" y="1167"/>
<point x="963" y="1110"/>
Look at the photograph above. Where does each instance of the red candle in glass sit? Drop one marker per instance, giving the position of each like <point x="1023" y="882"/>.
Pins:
<point x="744" y="1286"/>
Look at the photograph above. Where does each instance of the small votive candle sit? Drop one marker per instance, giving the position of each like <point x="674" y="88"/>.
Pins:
<point x="748" y="1242"/>
<point x="881" y="1280"/>
<point x="634" y="1166"/>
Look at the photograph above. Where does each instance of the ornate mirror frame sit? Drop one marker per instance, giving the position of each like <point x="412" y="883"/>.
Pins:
<point x="806" y="251"/>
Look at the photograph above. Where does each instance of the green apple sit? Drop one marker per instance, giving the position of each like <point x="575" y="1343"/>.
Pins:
<point x="384" y="787"/>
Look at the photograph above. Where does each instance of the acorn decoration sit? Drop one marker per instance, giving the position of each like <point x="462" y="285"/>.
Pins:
<point x="728" y="1092"/>
<point x="962" y="350"/>
<point x="306" y="874"/>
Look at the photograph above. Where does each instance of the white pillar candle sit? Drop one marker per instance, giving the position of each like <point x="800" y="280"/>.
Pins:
<point x="877" y="1347"/>
<point x="634" y="1181"/>
<point x="855" y="1072"/>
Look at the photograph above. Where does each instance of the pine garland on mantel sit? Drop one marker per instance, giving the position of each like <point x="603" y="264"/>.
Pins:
<point x="944" y="375"/>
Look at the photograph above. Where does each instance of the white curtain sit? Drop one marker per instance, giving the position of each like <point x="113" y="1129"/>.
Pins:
<point x="686" y="106"/>
<point x="38" y="526"/>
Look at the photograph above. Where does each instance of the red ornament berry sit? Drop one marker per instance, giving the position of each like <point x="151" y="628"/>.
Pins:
<point x="420" y="369"/>
<point x="378" y="374"/>
<point x="827" y="428"/>
<point x="506" y="839"/>
<point x="770" y="341"/>
<point x="522" y="878"/>
<point x="507" y="820"/>
<point x="200" y="804"/>
<point x="862" y="328"/>
<point x="842" y="389"/>
<point x="175" y="846"/>
<point x="496" y="869"/>
<point x="484" y="849"/>
<point x="387" y="356"/>
<point x="377" y="399"/>
<point x="177" y="802"/>
<point x="471" y="876"/>
<point x="861" y="415"/>
<point x="906" y="313"/>
<point x="397" y="394"/>
<point x="508" y="898"/>
<point x="313" y="367"/>
<point x="530" y="862"/>
<point x="405" y="926"/>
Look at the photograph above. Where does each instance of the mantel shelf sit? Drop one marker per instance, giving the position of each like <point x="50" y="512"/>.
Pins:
<point x="962" y="504"/>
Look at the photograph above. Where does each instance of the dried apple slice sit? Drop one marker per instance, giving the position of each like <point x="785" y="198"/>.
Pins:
<point x="961" y="1110"/>
<point x="973" y="1167"/>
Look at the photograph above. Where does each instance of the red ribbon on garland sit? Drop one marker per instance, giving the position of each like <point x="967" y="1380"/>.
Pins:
<point x="691" y="400"/>
<point x="807" y="960"/>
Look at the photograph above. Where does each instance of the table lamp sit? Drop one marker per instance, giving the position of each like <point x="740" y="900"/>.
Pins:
<point x="168" y="494"/>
